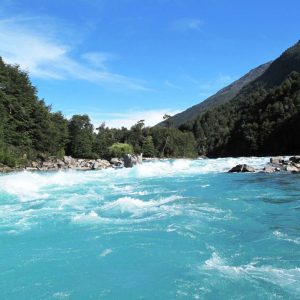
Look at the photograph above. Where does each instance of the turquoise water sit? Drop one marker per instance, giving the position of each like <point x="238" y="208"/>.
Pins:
<point x="164" y="230"/>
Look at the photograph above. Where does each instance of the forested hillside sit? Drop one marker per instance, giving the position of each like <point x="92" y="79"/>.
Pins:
<point x="223" y="96"/>
<point x="30" y="130"/>
<point x="263" y="119"/>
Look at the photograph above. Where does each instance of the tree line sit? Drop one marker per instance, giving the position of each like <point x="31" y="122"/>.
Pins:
<point x="30" y="130"/>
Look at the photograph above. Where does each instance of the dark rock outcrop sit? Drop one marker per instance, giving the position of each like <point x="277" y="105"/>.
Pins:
<point x="242" y="169"/>
<point x="131" y="160"/>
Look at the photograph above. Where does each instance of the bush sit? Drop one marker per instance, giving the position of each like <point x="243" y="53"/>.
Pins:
<point x="120" y="149"/>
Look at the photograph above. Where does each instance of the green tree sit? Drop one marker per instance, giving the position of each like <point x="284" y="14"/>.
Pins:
<point x="148" y="147"/>
<point x="81" y="137"/>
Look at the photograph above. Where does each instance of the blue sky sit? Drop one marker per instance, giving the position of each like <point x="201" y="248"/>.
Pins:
<point x="125" y="60"/>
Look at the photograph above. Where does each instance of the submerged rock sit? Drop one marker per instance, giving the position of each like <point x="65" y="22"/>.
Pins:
<point x="242" y="169"/>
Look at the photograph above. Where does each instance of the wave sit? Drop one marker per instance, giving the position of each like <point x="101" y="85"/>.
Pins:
<point x="136" y="206"/>
<point x="29" y="186"/>
<point x="285" y="278"/>
<point x="284" y="237"/>
<point x="128" y="210"/>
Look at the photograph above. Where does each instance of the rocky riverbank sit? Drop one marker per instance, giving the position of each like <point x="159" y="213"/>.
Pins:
<point x="276" y="164"/>
<point x="68" y="162"/>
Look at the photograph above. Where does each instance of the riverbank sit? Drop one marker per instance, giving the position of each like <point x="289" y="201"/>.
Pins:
<point x="275" y="164"/>
<point x="68" y="162"/>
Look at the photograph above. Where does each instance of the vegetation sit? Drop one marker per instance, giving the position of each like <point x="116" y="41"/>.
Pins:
<point x="263" y="118"/>
<point x="30" y="130"/>
<point x="120" y="149"/>
<point x="223" y="96"/>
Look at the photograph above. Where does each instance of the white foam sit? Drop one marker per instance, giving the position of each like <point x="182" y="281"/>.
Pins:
<point x="29" y="186"/>
<point x="285" y="237"/>
<point x="105" y="252"/>
<point x="288" y="278"/>
<point x="135" y="206"/>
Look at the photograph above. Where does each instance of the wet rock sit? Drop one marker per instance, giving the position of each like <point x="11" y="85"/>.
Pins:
<point x="5" y="169"/>
<point x="69" y="161"/>
<point x="242" y="169"/>
<point x="277" y="160"/>
<point x="32" y="169"/>
<point x="60" y="164"/>
<point x="295" y="159"/>
<point x="116" y="161"/>
<point x="35" y="164"/>
<point x="269" y="169"/>
<point x="95" y="166"/>
<point x="131" y="160"/>
<point x="291" y="168"/>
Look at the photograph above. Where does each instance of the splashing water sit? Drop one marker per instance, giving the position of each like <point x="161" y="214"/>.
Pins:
<point x="172" y="229"/>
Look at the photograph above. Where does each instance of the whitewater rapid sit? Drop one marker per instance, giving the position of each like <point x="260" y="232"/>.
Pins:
<point x="167" y="229"/>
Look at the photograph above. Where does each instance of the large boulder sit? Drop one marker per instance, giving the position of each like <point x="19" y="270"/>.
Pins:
<point x="291" y="168"/>
<point x="131" y="160"/>
<point x="241" y="169"/>
<point x="69" y="161"/>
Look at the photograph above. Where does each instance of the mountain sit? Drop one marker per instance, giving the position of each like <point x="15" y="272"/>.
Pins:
<point x="222" y="96"/>
<point x="262" y="119"/>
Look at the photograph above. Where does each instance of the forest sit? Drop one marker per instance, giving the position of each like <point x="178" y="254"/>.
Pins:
<point x="262" y="119"/>
<point x="29" y="129"/>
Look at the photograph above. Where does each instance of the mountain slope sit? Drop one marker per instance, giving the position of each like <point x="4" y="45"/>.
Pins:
<point x="222" y="96"/>
<point x="260" y="119"/>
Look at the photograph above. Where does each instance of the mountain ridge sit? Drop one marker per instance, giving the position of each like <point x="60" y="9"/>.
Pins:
<point x="222" y="96"/>
<point x="260" y="120"/>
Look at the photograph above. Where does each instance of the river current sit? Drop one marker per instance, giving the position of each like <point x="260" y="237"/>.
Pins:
<point x="177" y="229"/>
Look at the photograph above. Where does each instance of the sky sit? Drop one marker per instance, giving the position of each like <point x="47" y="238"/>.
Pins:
<point x="120" y="61"/>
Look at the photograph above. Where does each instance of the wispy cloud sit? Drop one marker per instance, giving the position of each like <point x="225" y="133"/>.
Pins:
<point x="206" y="87"/>
<point x="220" y="81"/>
<point x="185" y="24"/>
<point x="172" y="85"/>
<point x="45" y="56"/>
<point x="129" y="118"/>
<point x="98" y="59"/>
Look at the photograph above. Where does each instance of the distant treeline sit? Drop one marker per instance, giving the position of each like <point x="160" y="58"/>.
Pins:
<point x="30" y="130"/>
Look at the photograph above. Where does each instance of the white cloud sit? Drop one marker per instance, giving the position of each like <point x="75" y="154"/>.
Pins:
<point x="45" y="56"/>
<point x="184" y="24"/>
<point x="129" y="118"/>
